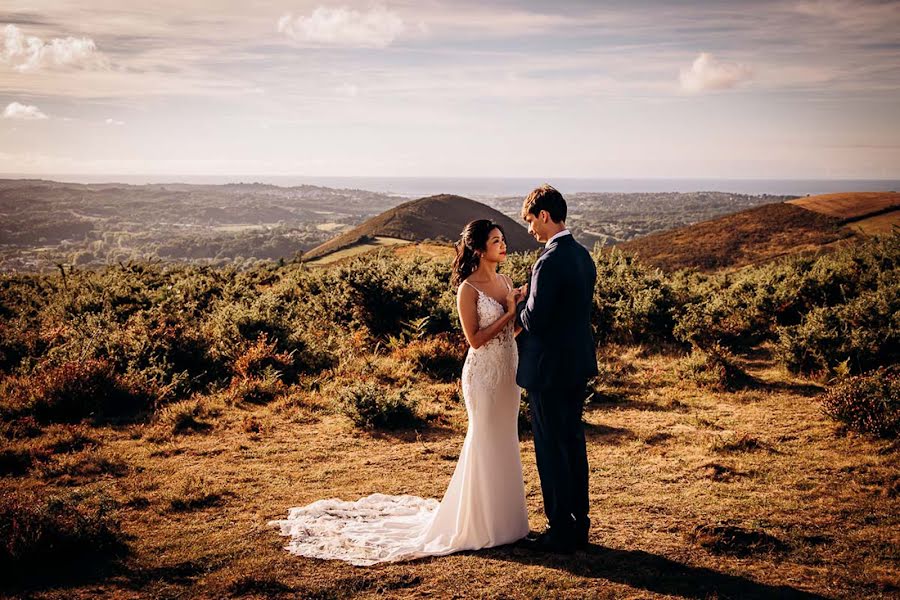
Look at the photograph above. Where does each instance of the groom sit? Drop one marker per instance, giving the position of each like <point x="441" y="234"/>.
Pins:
<point x="556" y="359"/>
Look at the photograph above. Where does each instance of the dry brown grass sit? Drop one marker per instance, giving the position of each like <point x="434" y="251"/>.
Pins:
<point x="878" y="225"/>
<point x="849" y="205"/>
<point x="356" y="249"/>
<point x="696" y="494"/>
<point x="744" y="238"/>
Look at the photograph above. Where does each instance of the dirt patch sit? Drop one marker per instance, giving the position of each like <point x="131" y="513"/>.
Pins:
<point x="735" y="541"/>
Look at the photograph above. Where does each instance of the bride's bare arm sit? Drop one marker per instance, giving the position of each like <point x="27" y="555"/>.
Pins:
<point x="466" y="305"/>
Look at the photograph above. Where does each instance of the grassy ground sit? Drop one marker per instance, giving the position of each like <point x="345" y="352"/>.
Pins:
<point x="356" y="249"/>
<point x="849" y="205"/>
<point x="695" y="494"/>
<point x="879" y="225"/>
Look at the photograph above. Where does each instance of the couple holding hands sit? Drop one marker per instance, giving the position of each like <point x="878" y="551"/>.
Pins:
<point x="537" y="337"/>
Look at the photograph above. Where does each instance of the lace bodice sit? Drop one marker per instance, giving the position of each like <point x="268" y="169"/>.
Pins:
<point x="497" y="359"/>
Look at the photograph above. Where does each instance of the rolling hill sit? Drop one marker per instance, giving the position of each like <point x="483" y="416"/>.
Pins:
<point x="438" y="218"/>
<point x="769" y="231"/>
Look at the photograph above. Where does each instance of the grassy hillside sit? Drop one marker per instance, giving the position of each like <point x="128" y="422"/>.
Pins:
<point x="850" y="206"/>
<point x="742" y="431"/>
<point x="760" y="234"/>
<point x="438" y="218"/>
<point x="744" y="238"/>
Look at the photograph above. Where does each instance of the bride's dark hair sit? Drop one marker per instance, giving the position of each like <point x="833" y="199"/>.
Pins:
<point x="472" y="241"/>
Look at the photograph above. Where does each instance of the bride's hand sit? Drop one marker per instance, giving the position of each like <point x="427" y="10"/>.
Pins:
<point x="512" y="299"/>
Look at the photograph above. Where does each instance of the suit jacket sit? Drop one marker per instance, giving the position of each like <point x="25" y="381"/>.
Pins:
<point x="556" y="348"/>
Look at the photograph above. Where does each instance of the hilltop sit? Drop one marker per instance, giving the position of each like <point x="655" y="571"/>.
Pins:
<point x="769" y="231"/>
<point x="438" y="218"/>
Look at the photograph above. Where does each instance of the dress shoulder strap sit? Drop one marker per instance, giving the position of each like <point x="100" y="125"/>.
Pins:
<point x="472" y="286"/>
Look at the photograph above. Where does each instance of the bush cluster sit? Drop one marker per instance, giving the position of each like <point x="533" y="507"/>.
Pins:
<point x="868" y="403"/>
<point x="371" y="406"/>
<point x="68" y="534"/>
<point x="714" y="368"/>
<point x="821" y="312"/>
<point x="633" y="302"/>
<point x="130" y="339"/>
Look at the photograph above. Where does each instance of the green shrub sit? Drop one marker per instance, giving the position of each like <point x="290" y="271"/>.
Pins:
<point x="438" y="357"/>
<point x="44" y="537"/>
<point x="863" y="333"/>
<point x="868" y="403"/>
<point x="730" y="318"/>
<point x="714" y="368"/>
<point x="261" y="389"/>
<point x="77" y="390"/>
<point x="184" y="416"/>
<point x="370" y="407"/>
<point x="632" y="302"/>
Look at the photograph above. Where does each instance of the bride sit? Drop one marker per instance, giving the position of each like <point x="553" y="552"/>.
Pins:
<point x="484" y="504"/>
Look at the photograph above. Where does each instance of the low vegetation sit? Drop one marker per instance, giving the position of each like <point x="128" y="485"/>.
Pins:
<point x="868" y="403"/>
<point x="161" y="401"/>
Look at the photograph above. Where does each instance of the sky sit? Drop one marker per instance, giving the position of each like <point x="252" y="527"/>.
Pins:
<point x="451" y="88"/>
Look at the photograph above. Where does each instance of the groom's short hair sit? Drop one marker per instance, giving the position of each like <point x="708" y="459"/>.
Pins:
<point x="546" y="198"/>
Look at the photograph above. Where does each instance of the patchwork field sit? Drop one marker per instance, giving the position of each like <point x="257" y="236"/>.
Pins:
<point x="850" y="206"/>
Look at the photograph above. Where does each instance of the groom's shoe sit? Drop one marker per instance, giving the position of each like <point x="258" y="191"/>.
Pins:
<point x="582" y="533"/>
<point x="550" y="541"/>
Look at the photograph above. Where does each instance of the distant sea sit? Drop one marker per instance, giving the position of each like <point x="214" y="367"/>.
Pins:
<point x="415" y="187"/>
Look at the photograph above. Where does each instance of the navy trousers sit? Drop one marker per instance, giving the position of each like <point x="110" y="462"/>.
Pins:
<point x="561" y="453"/>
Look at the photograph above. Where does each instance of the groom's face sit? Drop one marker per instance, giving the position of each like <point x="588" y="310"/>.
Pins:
<point x="537" y="225"/>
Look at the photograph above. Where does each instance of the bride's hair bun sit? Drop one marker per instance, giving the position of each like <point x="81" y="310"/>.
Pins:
<point x="472" y="240"/>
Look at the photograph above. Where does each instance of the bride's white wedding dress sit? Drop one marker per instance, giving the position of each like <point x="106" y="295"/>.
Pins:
<point x="484" y="505"/>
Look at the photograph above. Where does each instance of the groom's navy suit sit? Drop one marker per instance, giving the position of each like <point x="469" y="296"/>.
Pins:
<point x="556" y="358"/>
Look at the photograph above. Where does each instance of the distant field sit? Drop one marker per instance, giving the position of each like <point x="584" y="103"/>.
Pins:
<point x="357" y="249"/>
<point x="434" y="251"/>
<point x="849" y="205"/>
<point x="744" y="238"/>
<point x="878" y="225"/>
<point x="331" y="226"/>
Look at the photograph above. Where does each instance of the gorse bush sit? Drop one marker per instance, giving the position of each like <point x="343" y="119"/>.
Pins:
<point x="129" y="339"/>
<point x="868" y="403"/>
<point x="863" y="333"/>
<point x="76" y="390"/>
<point x="840" y="307"/>
<point x="371" y="406"/>
<point x="438" y="357"/>
<point x="632" y="302"/>
<point x="714" y="368"/>
<point x="68" y="533"/>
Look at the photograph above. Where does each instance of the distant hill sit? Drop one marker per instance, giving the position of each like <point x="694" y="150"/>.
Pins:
<point x="851" y="206"/>
<point x="438" y="218"/>
<point x="766" y="232"/>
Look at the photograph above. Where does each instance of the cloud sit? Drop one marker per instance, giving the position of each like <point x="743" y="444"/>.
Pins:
<point x="14" y="110"/>
<point x="114" y="122"/>
<point x="347" y="89"/>
<point x="706" y="73"/>
<point x="375" y="28"/>
<point x="30" y="53"/>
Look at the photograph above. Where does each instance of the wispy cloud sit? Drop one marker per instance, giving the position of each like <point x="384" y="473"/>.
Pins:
<point x="30" y="53"/>
<point x="348" y="89"/>
<point x="706" y="73"/>
<point x="24" y="112"/>
<point x="374" y="28"/>
<point x="114" y="122"/>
